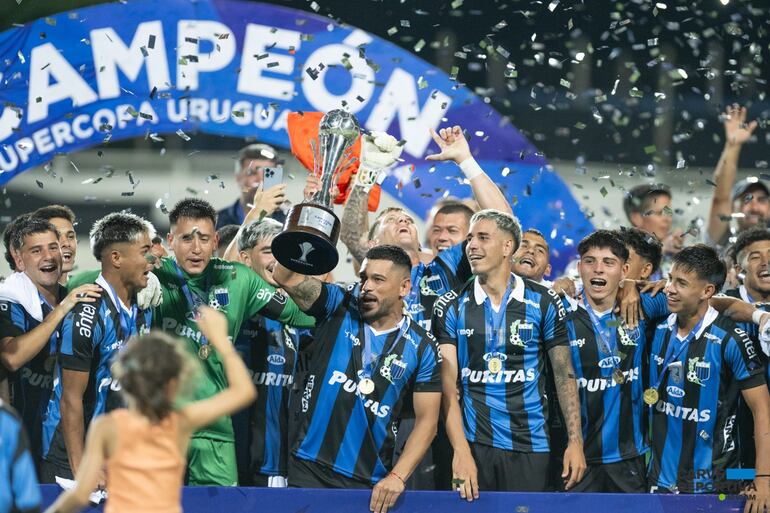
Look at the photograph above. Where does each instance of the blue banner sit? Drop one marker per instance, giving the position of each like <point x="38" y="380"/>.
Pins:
<point x="204" y="499"/>
<point x="225" y="67"/>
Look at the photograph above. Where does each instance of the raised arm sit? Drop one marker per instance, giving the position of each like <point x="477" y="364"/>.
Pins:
<point x="304" y="290"/>
<point x="240" y="391"/>
<point x="737" y="132"/>
<point x="454" y="147"/>
<point x="265" y="203"/>
<point x="355" y="222"/>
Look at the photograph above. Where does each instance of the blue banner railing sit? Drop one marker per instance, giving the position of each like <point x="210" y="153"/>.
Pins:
<point x="275" y="500"/>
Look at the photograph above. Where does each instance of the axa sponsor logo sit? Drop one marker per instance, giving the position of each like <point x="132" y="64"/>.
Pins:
<point x="601" y="384"/>
<point x="673" y="391"/>
<point x="276" y="359"/>
<point x="609" y="362"/>
<point x="682" y="412"/>
<point x="351" y="386"/>
<point x="506" y="376"/>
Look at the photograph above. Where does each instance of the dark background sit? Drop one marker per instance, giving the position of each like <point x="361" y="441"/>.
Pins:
<point x="637" y="43"/>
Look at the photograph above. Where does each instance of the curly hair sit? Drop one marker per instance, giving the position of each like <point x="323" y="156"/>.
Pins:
<point x="146" y="366"/>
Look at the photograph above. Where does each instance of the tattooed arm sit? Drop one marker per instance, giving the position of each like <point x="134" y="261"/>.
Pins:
<point x="566" y="390"/>
<point x="355" y="223"/>
<point x="304" y="290"/>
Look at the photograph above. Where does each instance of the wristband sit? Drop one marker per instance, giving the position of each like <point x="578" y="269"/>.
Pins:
<point x="471" y="168"/>
<point x="756" y="317"/>
<point x="391" y="473"/>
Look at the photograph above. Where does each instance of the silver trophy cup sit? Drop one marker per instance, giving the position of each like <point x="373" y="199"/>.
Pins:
<point x="308" y="242"/>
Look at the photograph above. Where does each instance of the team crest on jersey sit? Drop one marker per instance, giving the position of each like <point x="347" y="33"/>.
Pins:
<point x="219" y="299"/>
<point x="521" y="333"/>
<point x="393" y="368"/>
<point x="429" y="288"/>
<point x="628" y="337"/>
<point x="698" y="371"/>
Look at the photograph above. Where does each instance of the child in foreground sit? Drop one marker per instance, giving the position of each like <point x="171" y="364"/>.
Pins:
<point x="144" y="446"/>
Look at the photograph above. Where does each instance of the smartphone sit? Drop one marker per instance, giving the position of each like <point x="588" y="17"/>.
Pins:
<point x="273" y="176"/>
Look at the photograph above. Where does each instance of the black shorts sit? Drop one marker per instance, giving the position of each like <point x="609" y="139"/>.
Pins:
<point x="500" y="470"/>
<point x="309" y="474"/>
<point x="625" y="476"/>
<point x="434" y="471"/>
<point x="49" y="470"/>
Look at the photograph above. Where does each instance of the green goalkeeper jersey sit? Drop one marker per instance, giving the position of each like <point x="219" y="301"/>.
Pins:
<point x="230" y="287"/>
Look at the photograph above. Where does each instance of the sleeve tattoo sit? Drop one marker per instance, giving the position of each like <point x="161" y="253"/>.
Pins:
<point x="566" y="390"/>
<point x="306" y="293"/>
<point x="354" y="222"/>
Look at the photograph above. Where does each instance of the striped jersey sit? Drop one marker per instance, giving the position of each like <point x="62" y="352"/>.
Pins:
<point x="91" y="336"/>
<point x="448" y="270"/>
<point x="612" y="414"/>
<point x="269" y="349"/>
<point x="31" y="385"/>
<point x="693" y="422"/>
<point x="507" y="409"/>
<point x="19" y="491"/>
<point x="343" y="429"/>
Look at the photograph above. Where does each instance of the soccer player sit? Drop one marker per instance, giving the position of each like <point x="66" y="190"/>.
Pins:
<point x="91" y="334"/>
<point x="608" y="358"/>
<point x="193" y="278"/>
<point x="494" y="334"/>
<point x="270" y="350"/>
<point x="63" y="218"/>
<point x="644" y="253"/>
<point x="432" y="275"/>
<point x="32" y="304"/>
<point x="532" y="260"/>
<point x="449" y="227"/>
<point x="369" y="358"/>
<point x="19" y="491"/>
<point x="143" y="446"/>
<point x="701" y="364"/>
<point x="750" y="198"/>
<point x="751" y="252"/>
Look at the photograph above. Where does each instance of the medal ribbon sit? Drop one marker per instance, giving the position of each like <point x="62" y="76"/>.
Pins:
<point x="609" y="338"/>
<point x="670" y="356"/>
<point x="367" y="361"/>
<point x="127" y="320"/>
<point x="193" y="299"/>
<point x="494" y="320"/>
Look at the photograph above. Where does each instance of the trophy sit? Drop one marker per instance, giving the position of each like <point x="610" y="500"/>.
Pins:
<point x="308" y="242"/>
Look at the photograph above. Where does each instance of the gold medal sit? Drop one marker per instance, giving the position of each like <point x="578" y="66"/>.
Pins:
<point x="618" y="377"/>
<point x="495" y="365"/>
<point x="204" y="352"/>
<point x="651" y="396"/>
<point x="366" y="386"/>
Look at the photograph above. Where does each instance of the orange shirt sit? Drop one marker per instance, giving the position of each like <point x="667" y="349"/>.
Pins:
<point x="146" y="471"/>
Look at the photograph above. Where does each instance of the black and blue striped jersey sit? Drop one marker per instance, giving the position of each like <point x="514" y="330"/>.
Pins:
<point x="693" y="423"/>
<point x="31" y="385"/>
<point x="506" y="409"/>
<point x="19" y="490"/>
<point x="91" y="335"/>
<point x="447" y="271"/>
<point x="270" y="350"/>
<point x="342" y="428"/>
<point x="612" y="413"/>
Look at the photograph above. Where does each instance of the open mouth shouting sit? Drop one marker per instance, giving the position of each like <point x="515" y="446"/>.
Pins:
<point x="368" y="303"/>
<point x="764" y="276"/>
<point x="526" y="260"/>
<point x="598" y="284"/>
